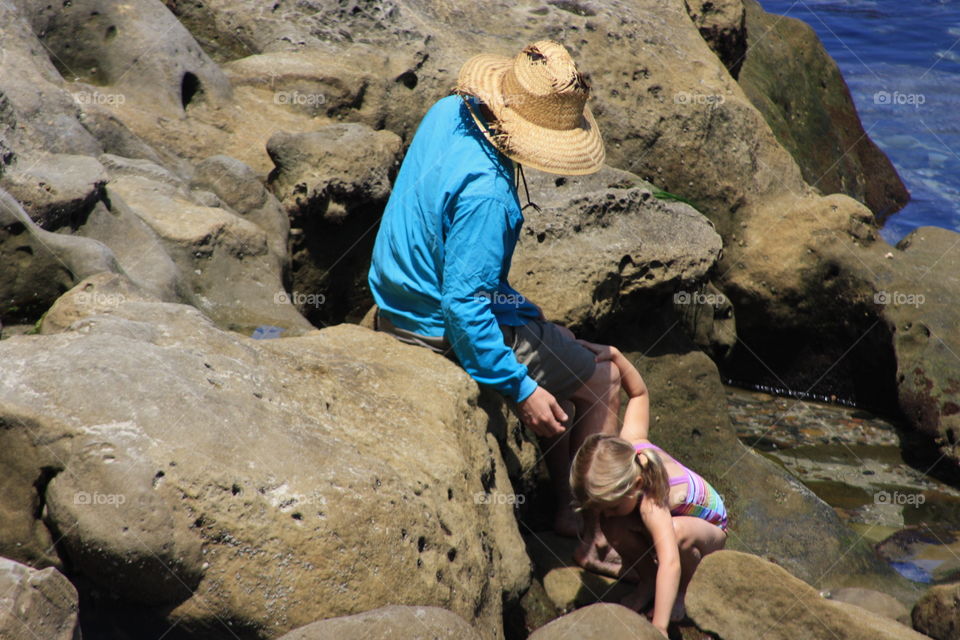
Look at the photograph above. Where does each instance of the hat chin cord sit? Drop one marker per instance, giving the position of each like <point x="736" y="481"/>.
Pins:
<point x="518" y="175"/>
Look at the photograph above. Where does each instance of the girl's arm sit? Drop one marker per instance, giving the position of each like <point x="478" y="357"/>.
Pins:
<point x="636" y="418"/>
<point x="659" y="523"/>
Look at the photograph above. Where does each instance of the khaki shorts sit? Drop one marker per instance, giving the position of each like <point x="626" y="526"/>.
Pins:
<point x="557" y="363"/>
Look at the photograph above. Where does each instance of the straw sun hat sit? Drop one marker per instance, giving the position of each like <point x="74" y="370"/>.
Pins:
<point x="539" y="101"/>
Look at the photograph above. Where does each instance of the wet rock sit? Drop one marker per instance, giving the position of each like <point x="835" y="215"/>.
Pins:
<point x="599" y="622"/>
<point x="534" y="610"/>
<point x="937" y="613"/>
<point x="36" y="604"/>
<point x="794" y="83"/>
<point x="736" y="595"/>
<point x="389" y="623"/>
<point x="876" y="602"/>
<point x="723" y="25"/>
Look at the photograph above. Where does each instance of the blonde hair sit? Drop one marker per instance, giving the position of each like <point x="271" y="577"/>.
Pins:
<point x="606" y="469"/>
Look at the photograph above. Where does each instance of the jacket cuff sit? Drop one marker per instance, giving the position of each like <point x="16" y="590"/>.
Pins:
<point x="527" y="387"/>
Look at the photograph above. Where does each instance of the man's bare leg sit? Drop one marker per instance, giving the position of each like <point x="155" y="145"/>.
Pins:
<point x="596" y="406"/>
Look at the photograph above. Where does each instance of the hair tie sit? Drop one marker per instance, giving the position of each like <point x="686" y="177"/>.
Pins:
<point x="642" y="459"/>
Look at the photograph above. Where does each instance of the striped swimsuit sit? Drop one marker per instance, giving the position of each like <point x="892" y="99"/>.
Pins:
<point x="702" y="500"/>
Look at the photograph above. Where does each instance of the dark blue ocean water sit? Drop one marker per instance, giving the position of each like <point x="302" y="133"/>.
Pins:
<point x="901" y="60"/>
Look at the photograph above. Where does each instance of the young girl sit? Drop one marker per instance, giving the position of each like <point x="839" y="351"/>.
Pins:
<point x="646" y="498"/>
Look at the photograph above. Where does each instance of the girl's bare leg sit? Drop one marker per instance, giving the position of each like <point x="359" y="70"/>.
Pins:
<point x="696" y="538"/>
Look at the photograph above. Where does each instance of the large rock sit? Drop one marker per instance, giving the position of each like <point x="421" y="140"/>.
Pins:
<point x="722" y="23"/>
<point x="225" y="266"/>
<point x="599" y="622"/>
<point x="601" y="242"/>
<point x="389" y="623"/>
<point x="333" y="183"/>
<point x="876" y="602"/>
<point x="37" y="115"/>
<point x="937" y="612"/>
<point x="40" y="265"/>
<point x="57" y="190"/>
<point x="796" y="85"/>
<point x="739" y="596"/>
<point x="269" y="483"/>
<point x="240" y="188"/>
<point x="36" y="604"/>
<point x="139" y="50"/>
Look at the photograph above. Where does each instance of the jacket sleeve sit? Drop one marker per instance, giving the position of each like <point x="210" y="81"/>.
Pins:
<point x="479" y="242"/>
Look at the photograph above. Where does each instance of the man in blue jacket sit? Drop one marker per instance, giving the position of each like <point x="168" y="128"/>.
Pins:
<point x="443" y="252"/>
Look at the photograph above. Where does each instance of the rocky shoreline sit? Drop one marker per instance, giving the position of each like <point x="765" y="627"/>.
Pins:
<point x="178" y="177"/>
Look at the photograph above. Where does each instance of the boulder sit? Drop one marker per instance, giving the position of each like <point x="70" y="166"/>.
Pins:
<point x="37" y="115"/>
<point x="722" y="23"/>
<point x="223" y="261"/>
<point x="937" y="613"/>
<point x="738" y="596"/>
<point x="238" y="187"/>
<point x="57" y="190"/>
<point x="599" y="622"/>
<point x="172" y="72"/>
<point x="589" y="254"/>
<point x="327" y="172"/>
<point x="40" y="265"/>
<point x="796" y="85"/>
<point x="333" y="183"/>
<point x="36" y="604"/>
<point x="389" y="623"/>
<point x="269" y="483"/>
<point x="567" y="585"/>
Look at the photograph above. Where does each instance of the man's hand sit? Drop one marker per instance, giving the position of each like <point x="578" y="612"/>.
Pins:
<point x="542" y="413"/>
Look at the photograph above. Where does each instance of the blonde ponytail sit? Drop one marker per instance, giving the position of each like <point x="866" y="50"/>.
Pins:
<point x="654" y="481"/>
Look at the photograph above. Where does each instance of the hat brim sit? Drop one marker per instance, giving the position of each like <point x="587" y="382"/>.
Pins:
<point x="572" y="152"/>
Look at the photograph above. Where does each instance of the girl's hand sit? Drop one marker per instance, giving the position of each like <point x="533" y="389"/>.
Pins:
<point x="604" y="351"/>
